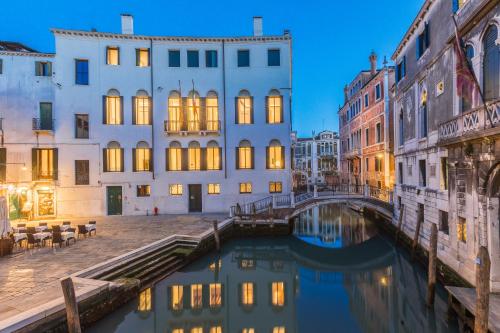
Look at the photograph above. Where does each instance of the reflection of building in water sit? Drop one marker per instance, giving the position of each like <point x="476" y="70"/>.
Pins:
<point x="333" y="226"/>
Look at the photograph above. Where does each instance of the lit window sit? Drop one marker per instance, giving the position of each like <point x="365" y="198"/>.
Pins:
<point x="248" y="330"/>
<point x="196" y="296"/>
<point x="278" y="293"/>
<point x="141" y="111"/>
<point x="142" y="57"/>
<point x="113" y="108"/>
<point x="113" y="161"/>
<point x="275" y="187"/>
<point x="244" y="156"/>
<point x="247" y="293"/>
<point x="176" y="189"/>
<point x="244" y="108"/>
<point x="216" y="329"/>
<point x="178" y="330"/>
<point x="213" y="188"/>
<point x="462" y="230"/>
<point x="247" y="264"/>
<point x="112" y="56"/>
<point x="45" y="163"/>
<point x="144" y="300"/>
<point x="143" y="190"/>
<point x="215" y="266"/>
<point x="174" y="112"/>
<point x="274" y="108"/>
<point x="197" y="330"/>
<point x="142" y="156"/>
<point x="174" y="156"/>
<point x="246" y="187"/>
<point x="215" y="295"/>
<point x="213" y="156"/>
<point x="194" y="156"/>
<point x="275" y="158"/>
<point x="193" y="116"/>
<point x="177" y="297"/>
<point x="212" y="104"/>
<point x="279" y="329"/>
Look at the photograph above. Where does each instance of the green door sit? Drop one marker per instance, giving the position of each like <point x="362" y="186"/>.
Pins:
<point x="114" y="200"/>
<point x="46" y="116"/>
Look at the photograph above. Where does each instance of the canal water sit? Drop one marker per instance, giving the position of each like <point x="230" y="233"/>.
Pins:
<point x="337" y="273"/>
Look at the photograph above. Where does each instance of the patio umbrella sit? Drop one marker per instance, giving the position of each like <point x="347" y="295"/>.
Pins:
<point x="4" y="220"/>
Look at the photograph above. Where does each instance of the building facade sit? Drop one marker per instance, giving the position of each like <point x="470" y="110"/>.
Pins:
<point x="447" y="149"/>
<point x="144" y="123"/>
<point x="316" y="159"/>
<point x="366" y="125"/>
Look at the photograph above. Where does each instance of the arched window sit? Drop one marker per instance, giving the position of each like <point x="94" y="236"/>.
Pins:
<point x="174" y="157"/>
<point x="113" y="108"/>
<point x="141" y="114"/>
<point x="174" y="112"/>
<point x="466" y="93"/>
<point x="141" y="155"/>
<point x="193" y="115"/>
<point x="423" y="114"/>
<point x="194" y="156"/>
<point x="401" y="127"/>
<point x="491" y="64"/>
<point x="212" y="111"/>
<point x="244" y="108"/>
<point x="113" y="157"/>
<point x="274" y="107"/>
<point x="244" y="155"/>
<point x="213" y="156"/>
<point x="275" y="155"/>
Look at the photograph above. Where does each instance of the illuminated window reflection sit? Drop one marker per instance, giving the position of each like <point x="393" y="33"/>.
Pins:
<point x="248" y="330"/>
<point x="279" y="329"/>
<point x="178" y="330"/>
<point x="197" y="330"/>
<point x="196" y="296"/>
<point x="177" y="297"/>
<point x="144" y="300"/>
<point x="216" y="329"/>
<point x="247" y="296"/>
<point x="215" y="266"/>
<point x="278" y="293"/>
<point x="215" y="295"/>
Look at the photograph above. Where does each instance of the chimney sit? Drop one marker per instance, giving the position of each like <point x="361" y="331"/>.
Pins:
<point x="373" y="63"/>
<point x="257" y="26"/>
<point x="127" y="24"/>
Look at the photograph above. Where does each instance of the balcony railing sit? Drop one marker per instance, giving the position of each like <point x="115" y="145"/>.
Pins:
<point x="41" y="125"/>
<point x="173" y="127"/>
<point x="471" y="123"/>
<point x="353" y="153"/>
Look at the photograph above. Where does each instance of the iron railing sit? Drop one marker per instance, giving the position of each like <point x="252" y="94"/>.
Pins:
<point x="43" y="124"/>
<point x="192" y="126"/>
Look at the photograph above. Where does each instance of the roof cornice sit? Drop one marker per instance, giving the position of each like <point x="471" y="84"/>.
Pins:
<point x="27" y="54"/>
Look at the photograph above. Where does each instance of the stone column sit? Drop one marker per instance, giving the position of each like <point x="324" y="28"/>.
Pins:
<point x="292" y="199"/>
<point x="315" y="190"/>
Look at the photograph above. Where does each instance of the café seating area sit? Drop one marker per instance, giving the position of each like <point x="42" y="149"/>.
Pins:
<point x="42" y="235"/>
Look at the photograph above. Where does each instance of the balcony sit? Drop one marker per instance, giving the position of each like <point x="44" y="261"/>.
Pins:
<point x="43" y="125"/>
<point x="353" y="153"/>
<point x="175" y="127"/>
<point x="472" y="124"/>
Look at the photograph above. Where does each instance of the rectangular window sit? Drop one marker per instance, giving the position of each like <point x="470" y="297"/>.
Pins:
<point x="378" y="92"/>
<point x="400" y="172"/>
<point x="142" y="57"/>
<point x="112" y="56"/>
<point x="211" y="58"/>
<point x="213" y="158"/>
<point x="244" y="157"/>
<point x="1" y="66"/>
<point x="196" y="296"/>
<point x="177" y="297"/>
<point x="114" y="160"/>
<point x="367" y="164"/>
<point x="194" y="158"/>
<point x="423" y="41"/>
<point x="142" y="109"/>
<point x="244" y="106"/>
<point x="367" y="137"/>
<point x="278" y="294"/>
<point x="274" y="109"/>
<point x="444" y="173"/>
<point x="462" y="229"/>
<point x="275" y="187"/>
<point x="275" y="157"/>
<point x="247" y="293"/>
<point x="46" y="121"/>
<point x="215" y="291"/>
<point x="379" y="132"/>
<point x="43" y="68"/>
<point x="401" y="69"/>
<point x="279" y="329"/>
<point x="113" y="110"/>
<point x="423" y="120"/>
<point x="81" y="126"/>
<point x="81" y="72"/>
<point x="246" y="187"/>
<point x="443" y="222"/>
<point x="378" y="164"/>
<point x="143" y="190"/>
<point x="193" y="58"/>
<point x="423" y="173"/>
<point x="213" y="188"/>
<point x="44" y="164"/>
<point x="82" y="172"/>
<point x="243" y="58"/>
<point x="273" y="57"/>
<point x="174" y="58"/>
<point x="367" y="100"/>
<point x="174" y="159"/>
<point x="142" y="159"/>
<point x="175" y="189"/>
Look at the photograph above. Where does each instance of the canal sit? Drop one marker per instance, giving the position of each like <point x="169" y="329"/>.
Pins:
<point x="337" y="273"/>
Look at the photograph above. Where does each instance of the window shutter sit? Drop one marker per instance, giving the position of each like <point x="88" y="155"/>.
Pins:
<point x="267" y="110"/>
<point x="251" y="110"/>
<point x="49" y="68"/>
<point x="455" y="6"/>
<point x="203" y="158"/>
<point x="3" y="166"/>
<point x="418" y="47"/>
<point x="55" y="162"/>
<point x="184" y="111"/>
<point x="137" y="56"/>
<point x="151" y="161"/>
<point x="203" y="113"/>
<point x="106" y="55"/>
<point x="166" y="160"/>
<point x="396" y="73"/>
<point x="236" y="113"/>
<point x="134" y="161"/>
<point x="268" y="160"/>
<point x="427" y="35"/>
<point x="404" y="66"/>
<point x="237" y="158"/>
<point x="118" y="50"/>
<point x="121" y="111"/>
<point x="220" y="158"/>
<point x="104" y="160"/>
<point x="252" y="165"/>
<point x="104" y="110"/>
<point x="122" y="157"/>
<point x="282" y="157"/>
<point x="34" y="163"/>
<point x="134" y="110"/>
<point x="184" y="159"/>
<point x="150" y="111"/>
<point x="282" y="107"/>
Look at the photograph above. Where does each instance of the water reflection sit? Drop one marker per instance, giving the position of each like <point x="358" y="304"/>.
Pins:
<point x="284" y="285"/>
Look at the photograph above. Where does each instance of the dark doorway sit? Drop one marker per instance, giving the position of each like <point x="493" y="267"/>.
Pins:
<point x="195" y="205"/>
<point x="114" y="200"/>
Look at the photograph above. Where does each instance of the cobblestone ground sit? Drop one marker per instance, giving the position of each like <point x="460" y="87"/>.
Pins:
<point x="30" y="278"/>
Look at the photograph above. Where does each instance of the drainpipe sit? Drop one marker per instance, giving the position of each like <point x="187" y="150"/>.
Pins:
<point x="224" y="103"/>
<point x="387" y="174"/>
<point x="152" y="106"/>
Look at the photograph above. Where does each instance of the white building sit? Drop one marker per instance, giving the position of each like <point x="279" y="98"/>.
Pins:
<point x="316" y="159"/>
<point x="181" y="124"/>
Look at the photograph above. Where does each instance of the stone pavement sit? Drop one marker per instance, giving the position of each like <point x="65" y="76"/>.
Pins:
<point x="29" y="278"/>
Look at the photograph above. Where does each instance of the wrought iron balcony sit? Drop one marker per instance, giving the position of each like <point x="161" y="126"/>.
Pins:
<point x="43" y="125"/>
<point x="176" y="127"/>
<point x="471" y="124"/>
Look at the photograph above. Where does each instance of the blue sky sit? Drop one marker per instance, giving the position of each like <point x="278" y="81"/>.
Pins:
<point x="331" y="38"/>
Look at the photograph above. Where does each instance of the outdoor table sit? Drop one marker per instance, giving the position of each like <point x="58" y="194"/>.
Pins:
<point x="19" y="237"/>
<point x="41" y="228"/>
<point x="65" y="235"/>
<point x="90" y="227"/>
<point x="42" y="235"/>
<point x="65" y="227"/>
<point x="19" y="229"/>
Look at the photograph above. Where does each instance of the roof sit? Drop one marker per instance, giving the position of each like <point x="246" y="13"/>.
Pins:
<point x="15" y="47"/>
<point x="98" y="34"/>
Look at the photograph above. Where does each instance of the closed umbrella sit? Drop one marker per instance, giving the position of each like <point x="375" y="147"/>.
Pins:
<point x="4" y="220"/>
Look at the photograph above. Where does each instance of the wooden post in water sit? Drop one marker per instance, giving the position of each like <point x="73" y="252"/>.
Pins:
<point x="400" y="221"/>
<point x="482" y="290"/>
<point x="72" y="315"/>
<point x="216" y="235"/>
<point x="417" y="234"/>
<point x="431" y="283"/>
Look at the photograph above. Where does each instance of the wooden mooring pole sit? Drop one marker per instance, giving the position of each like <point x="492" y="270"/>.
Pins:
<point x="431" y="283"/>
<point x="417" y="234"/>
<point x="72" y="315"/>
<point x="216" y="235"/>
<point x="400" y="221"/>
<point x="483" y="265"/>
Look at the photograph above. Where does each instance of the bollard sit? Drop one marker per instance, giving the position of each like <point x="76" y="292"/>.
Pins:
<point x="431" y="284"/>
<point x="216" y="236"/>
<point x="72" y="316"/>
<point x="483" y="265"/>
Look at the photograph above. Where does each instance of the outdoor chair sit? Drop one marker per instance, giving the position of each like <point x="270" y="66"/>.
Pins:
<point x="32" y="241"/>
<point x="30" y="230"/>
<point x="21" y="225"/>
<point x="95" y="230"/>
<point x="71" y="238"/>
<point x="66" y="223"/>
<point x="82" y="230"/>
<point x="56" y="228"/>
<point x="42" y="224"/>
<point x="57" y="239"/>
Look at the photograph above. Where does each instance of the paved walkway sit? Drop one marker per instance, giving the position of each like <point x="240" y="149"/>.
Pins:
<point x="30" y="278"/>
